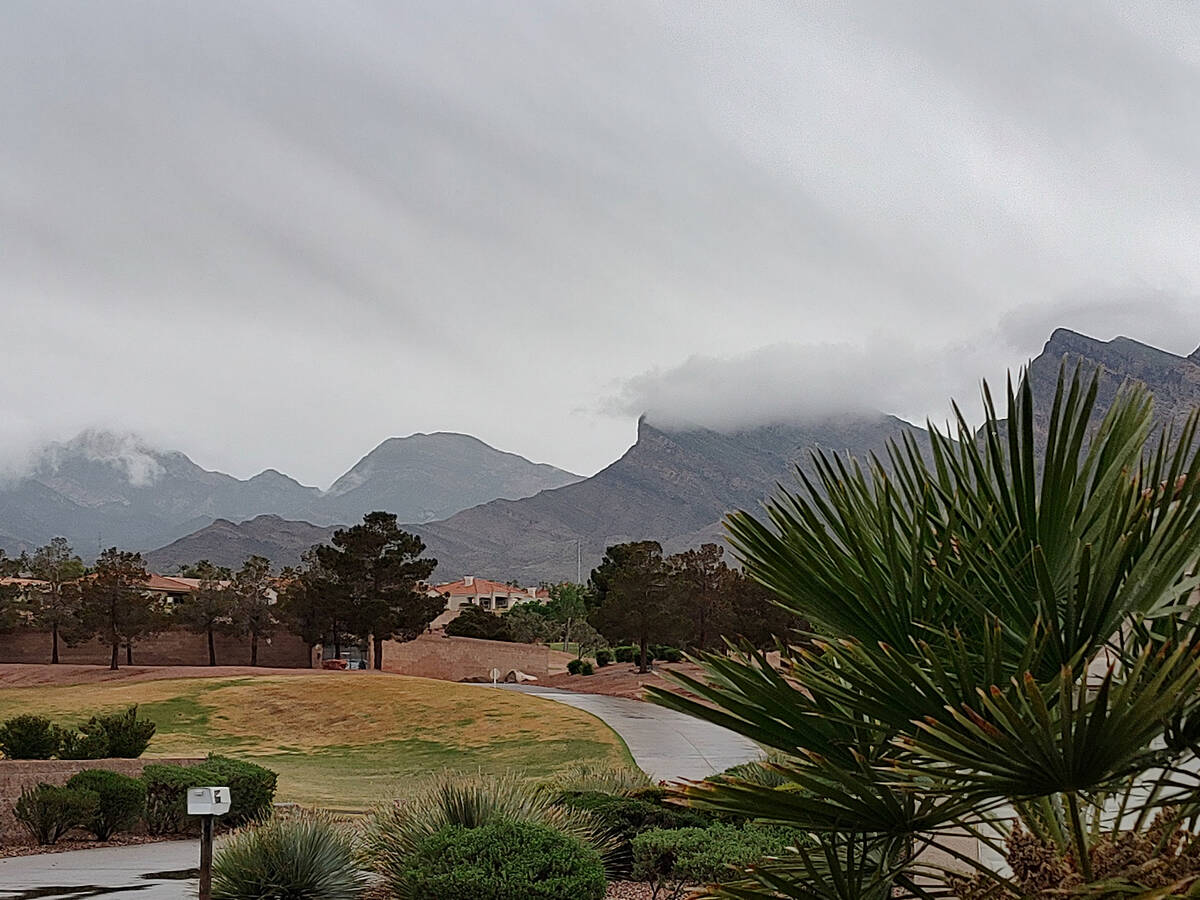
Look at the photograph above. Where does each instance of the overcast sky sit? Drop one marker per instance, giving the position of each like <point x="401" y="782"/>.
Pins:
<point x="274" y="234"/>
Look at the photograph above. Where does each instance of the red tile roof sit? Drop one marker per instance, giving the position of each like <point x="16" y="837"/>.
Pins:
<point x="483" y="586"/>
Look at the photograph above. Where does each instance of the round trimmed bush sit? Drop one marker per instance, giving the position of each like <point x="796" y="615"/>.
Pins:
<point x="121" y="800"/>
<point x="603" y="657"/>
<point x="502" y="861"/>
<point x="307" y="858"/>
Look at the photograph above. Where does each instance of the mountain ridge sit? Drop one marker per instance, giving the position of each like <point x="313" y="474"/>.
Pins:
<point x="107" y="489"/>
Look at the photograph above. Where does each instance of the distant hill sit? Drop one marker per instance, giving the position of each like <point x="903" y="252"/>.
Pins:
<point x="101" y="489"/>
<point x="1173" y="380"/>
<point x="225" y="543"/>
<point x="432" y="476"/>
<point x="676" y="486"/>
<point x="670" y="486"/>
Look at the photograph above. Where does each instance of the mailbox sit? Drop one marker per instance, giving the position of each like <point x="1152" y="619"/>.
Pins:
<point x="208" y="801"/>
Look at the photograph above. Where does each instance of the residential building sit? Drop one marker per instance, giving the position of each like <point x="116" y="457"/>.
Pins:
<point x="491" y="595"/>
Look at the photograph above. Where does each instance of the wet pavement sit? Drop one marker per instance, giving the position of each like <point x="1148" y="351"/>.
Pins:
<point x="667" y="745"/>
<point x="164" y="871"/>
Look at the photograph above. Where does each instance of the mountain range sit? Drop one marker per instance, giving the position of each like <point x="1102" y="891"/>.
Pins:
<point x="101" y="489"/>
<point x="673" y="485"/>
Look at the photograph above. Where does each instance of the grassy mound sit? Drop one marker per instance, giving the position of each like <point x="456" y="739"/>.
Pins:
<point x="345" y="741"/>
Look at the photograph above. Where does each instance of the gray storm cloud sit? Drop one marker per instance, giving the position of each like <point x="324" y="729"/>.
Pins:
<point x="273" y="234"/>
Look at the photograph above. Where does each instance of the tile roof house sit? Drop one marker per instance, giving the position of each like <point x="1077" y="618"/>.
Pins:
<point x="493" y="595"/>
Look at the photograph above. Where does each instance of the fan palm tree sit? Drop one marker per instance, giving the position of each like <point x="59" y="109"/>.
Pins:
<point x="1001" y="646"/>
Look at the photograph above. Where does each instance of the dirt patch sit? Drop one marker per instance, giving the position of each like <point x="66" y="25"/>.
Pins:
<point x="623" y="680"/>
<point x="36" y="674"/>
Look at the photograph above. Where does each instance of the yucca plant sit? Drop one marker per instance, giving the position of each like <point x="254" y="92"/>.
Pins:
<point x="395" y="832"/>
<point x="307" y="857"/>
<point x="1000" y="632"/>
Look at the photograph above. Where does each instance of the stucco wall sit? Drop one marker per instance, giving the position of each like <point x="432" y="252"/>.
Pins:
<point x="455" y="658"/>
<point x="171" y="648"/>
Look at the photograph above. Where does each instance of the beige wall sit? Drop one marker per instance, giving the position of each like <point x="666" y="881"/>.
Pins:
<point x="455" y="658"/>
<point x="171" y="648"/>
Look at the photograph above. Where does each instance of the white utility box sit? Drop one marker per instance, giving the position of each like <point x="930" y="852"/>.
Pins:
<point x="208" y="801"/>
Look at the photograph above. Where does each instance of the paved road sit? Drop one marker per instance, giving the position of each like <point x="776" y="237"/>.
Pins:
<point x="667" y="745"/>
<point x="112" y="873"/>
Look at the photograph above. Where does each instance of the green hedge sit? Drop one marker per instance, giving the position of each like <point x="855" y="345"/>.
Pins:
<point x="626" y="817"/>
<point x="252" y="788"/>
<point x="120" y="800"/>
<point x="604" y="656"/>
<point x="48" y="812"/>
<point x="625" y="653"/>
<point x="28" y="737"/>
<point x="503" y="861"/>
<point x="120" y="735"/>
<point x="580" y="667"/>
<point x="706" y="855"/>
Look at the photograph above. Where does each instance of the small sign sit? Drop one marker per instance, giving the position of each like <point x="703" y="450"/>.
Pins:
<point x="208" y="801"/>
<point x="495" y="675"/>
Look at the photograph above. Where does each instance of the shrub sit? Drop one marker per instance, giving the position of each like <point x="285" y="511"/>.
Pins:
<point x="120" y="800"/>
<point x="48" y="812"/>
<point x="502" y="861"/>
<point x="666" y="654"/>
<point x="580" y="667"/>
<point x="758" y="773"/>
<point x="603" y="657"/>
<point x="609" y="779"/>
<point x="252" y="788"/>
<point x="624" y="818"/>
<point x="28" y="737"/>
<point x="673" y="858"/>
<point x="77" y="745"/>
<point x="306" y="858"/>
<point x="476" y="622"/>
<point x="625" y="653"/>
<point x="394" y="832"/>
<point x="126" y="734"/>
<point x="166" y="795"/>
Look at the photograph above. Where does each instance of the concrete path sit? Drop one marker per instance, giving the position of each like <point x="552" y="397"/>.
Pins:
<point x="141" y="872"/>
<point x="667" y="745"/>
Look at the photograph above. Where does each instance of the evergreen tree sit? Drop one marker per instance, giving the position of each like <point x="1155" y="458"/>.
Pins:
<point x="636" y="603"/>
<point x="376" y="570"/>
<point x="253" y="612"/>
<point x="58" y="601"/>
<point x="701" y="583"/>
<point x="113" y="604"/>
<point x="209" y="609"/>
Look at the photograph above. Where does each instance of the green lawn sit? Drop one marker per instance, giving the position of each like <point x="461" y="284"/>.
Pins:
<point x="344" y="740"/>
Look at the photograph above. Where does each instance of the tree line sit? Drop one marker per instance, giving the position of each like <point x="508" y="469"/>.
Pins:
<point x="367" y="583"/>
<point x="692" y="599"/>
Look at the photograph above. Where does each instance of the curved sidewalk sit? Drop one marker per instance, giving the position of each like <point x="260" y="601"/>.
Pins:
<point x="667" y="745"/>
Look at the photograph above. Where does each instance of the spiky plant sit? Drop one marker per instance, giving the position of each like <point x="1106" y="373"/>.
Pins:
<point x="307" y="857"/>
<point x="619" y="780"/>
<point x="394" y="832"/>
<point x="997" y="634"/>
